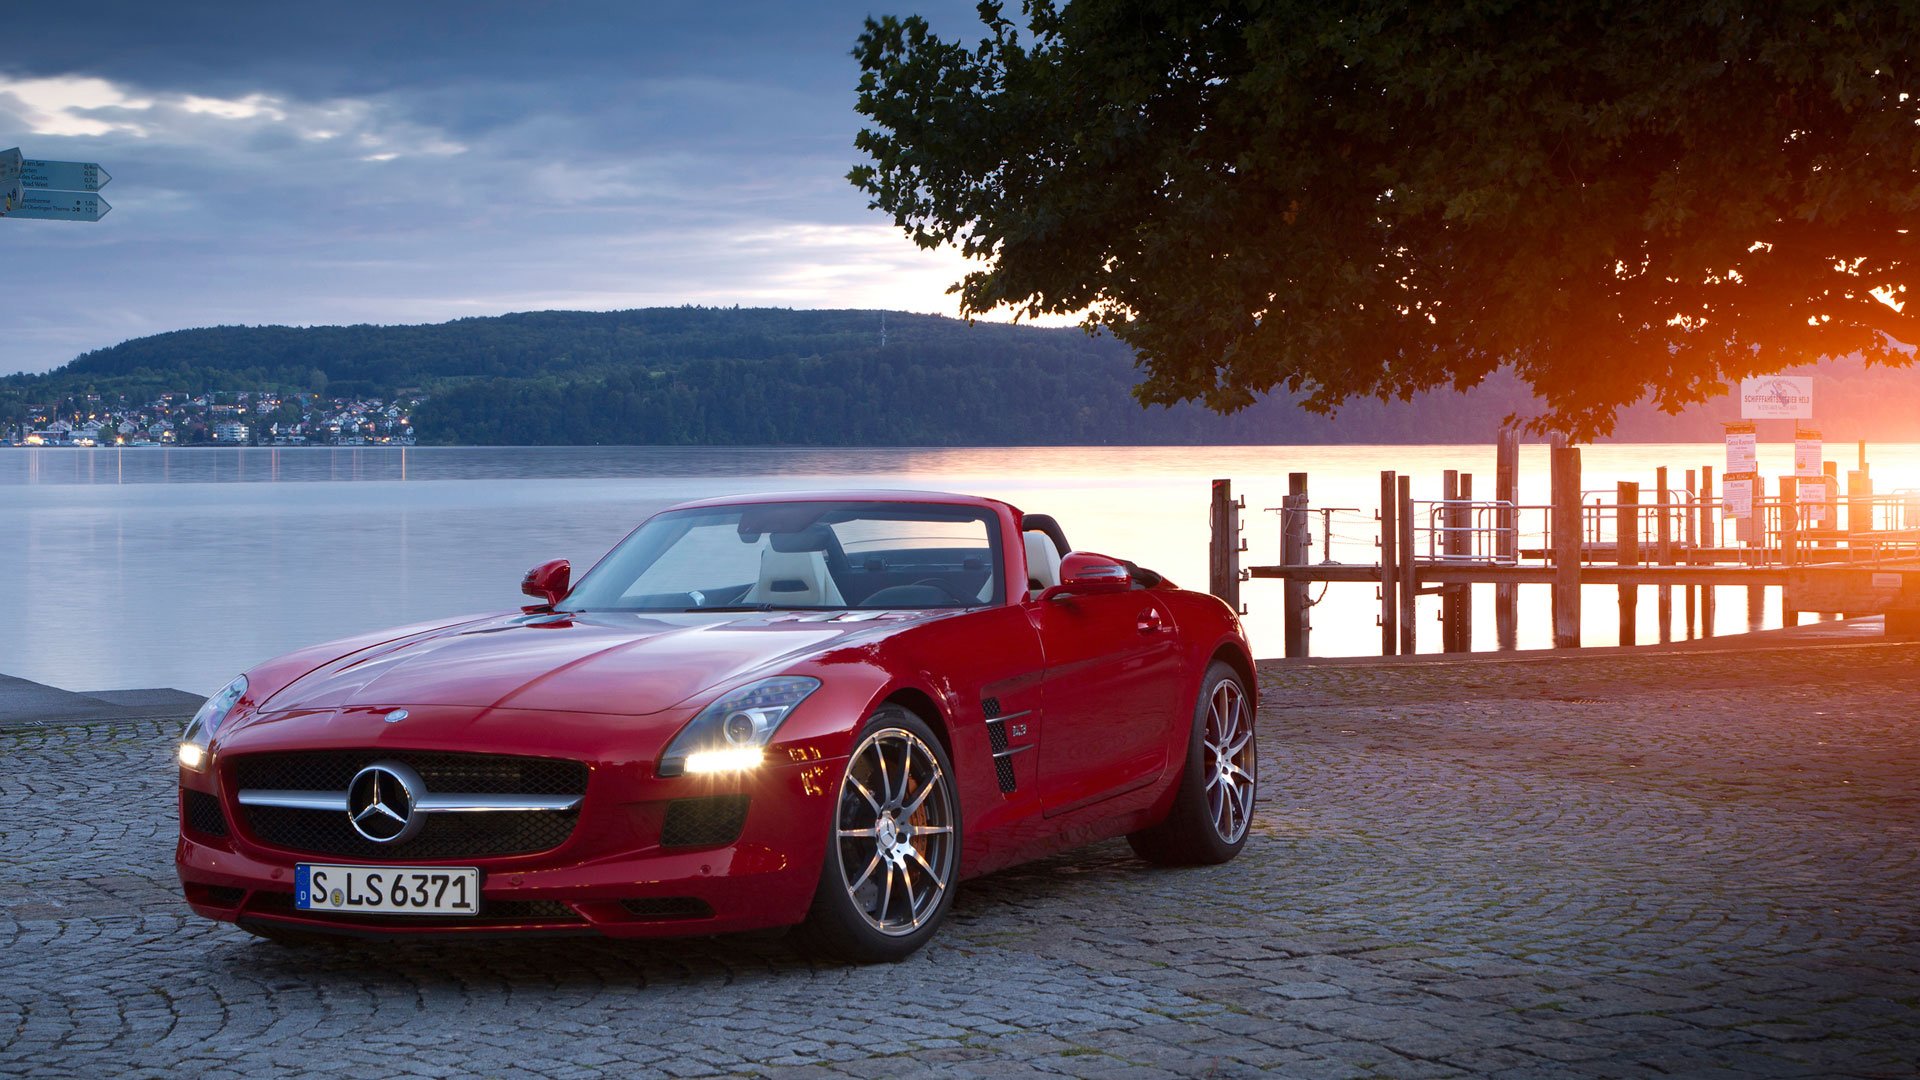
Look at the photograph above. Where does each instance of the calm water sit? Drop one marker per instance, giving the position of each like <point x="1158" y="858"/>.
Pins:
<point x="174" y="567"/>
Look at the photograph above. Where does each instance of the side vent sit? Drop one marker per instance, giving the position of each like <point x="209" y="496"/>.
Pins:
<point x="1003" y="750"/>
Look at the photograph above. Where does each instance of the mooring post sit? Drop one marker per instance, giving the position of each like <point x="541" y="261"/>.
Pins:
<point x="1626" y="546"/>
<point x="1830" y="517"/>
<point x="1389" y="565"/>
<point x="1859" y="501"/>
<point x="1449" y="598"/>
<point x="1663" y="552"/>
<point x="1460" y="531"/>
<point x="1709" y="537"/>
<point x="1295" y="544"/>
<point x="1566" y="547"/>
<point x="1409" y="578"/>
<point x="1223" y="552"/>
<point x="1757" y="542"/>
<point x="1690" y="540"/>
<point x="1789" y="540"/>
<point x="1506" y="522"/>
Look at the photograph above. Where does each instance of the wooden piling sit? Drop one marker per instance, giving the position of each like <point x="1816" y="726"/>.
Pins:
<point x="1223" y="550"/>
<point x="1506" y="490"/>
<point x="1460" y="530"/>
<point x="1449" y="594"/>
<point x="1756" y="538"/>
<point x="1663" y="551"/>
<point x="1566" y="547"/>
<point x="1409" y="581"/>
<point x="1627" y="552"/>
<point x="1690" y="539"/>
<point x="1789" y="539"/>
<point x="1389" y="565"/>
<point x="1294" y="551"/>
<point x="1710" y="538"/>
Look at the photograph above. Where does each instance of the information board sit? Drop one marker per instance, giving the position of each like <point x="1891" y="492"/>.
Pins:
<point x="1806" y="453"/>
<point x="1743" y="449"/>
<point x="1777" y="397"/>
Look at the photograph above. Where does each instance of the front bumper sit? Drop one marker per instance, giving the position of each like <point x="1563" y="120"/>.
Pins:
<point x="616" y="874"/>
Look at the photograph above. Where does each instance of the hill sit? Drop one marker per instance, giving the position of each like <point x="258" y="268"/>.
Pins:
<point x="717" y="376"/>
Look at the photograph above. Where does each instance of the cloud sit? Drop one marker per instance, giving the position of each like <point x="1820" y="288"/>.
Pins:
<point x="305" y="170"/>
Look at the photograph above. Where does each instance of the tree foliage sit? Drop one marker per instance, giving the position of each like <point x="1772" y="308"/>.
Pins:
<point x="1343" y="200"/>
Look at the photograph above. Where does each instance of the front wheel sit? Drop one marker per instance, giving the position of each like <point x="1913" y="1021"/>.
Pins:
<point x="894" y="855"/>
<point x="1214" y="806"/>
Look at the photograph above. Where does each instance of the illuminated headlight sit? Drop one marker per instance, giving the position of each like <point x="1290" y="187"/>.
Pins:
<point x="729" y="735"/>
<point x="198" y="737"/>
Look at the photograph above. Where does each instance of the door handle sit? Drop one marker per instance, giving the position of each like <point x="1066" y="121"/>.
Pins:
<point x="1149" y="622"/>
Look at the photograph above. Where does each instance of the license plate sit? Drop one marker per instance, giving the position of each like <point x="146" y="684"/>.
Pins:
<point x="387" y="890"/>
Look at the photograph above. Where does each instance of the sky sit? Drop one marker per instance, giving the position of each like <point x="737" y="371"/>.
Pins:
<point x="412" y="161"/>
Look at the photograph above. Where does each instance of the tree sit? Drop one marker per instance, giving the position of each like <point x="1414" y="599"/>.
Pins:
<point x="1348" y="200"/>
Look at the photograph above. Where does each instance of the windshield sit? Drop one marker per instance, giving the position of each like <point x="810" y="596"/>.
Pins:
<point x="801" y="555"/>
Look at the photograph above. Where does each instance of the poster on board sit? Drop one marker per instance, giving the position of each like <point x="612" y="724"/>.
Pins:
<point x="1806" y="453"/>
<point x="1813" y="504"/>
<point x="1736" y="497"/>
<point x="1743" y="449"/>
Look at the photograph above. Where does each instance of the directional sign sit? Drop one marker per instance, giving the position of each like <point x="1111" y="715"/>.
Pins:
<point x="10" y="164"/>
<point x="61" y="205"/>
<point x="63" y="175"/>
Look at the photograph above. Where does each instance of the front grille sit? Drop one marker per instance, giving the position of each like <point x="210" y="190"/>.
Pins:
<point x="466" y="774"/>
<point x="705" y="822"/>
<point x="444" y="836"/>
<point x="202" y="814"/>
<point x="668" y="907"/>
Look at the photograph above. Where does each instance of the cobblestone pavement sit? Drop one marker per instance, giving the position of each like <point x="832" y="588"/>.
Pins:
<point x="1692" y="865"/>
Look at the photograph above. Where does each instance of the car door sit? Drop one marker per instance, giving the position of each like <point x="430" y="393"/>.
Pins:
<point x="1110" y="690"/>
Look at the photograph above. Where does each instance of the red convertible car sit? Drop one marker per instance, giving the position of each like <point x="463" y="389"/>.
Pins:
<point x="822" y="710"/>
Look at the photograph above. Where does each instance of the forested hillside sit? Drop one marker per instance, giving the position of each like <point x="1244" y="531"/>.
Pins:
<point x="720" y="376"/>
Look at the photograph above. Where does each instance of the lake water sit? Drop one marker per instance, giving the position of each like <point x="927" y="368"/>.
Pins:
<point x="179" y="567"/>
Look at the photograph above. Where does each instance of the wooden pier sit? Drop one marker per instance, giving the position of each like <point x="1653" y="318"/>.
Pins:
<point x="1666" y="538"/>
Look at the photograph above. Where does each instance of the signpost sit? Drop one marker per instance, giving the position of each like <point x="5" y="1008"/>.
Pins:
<point x="60" y="205"/>
<point x="1777" y="397"/>
<point x="10" y="166"/>
<point x="51" y="190"/>
<point x="63" y="175"/>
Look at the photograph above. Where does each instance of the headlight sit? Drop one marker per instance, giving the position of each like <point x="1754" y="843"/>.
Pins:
<point x="199" y="734"/>
<point x="728" y="735"/>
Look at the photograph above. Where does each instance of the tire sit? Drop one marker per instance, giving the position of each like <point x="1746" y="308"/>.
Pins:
<point x="893" y="848"/>
<point x="1208" y="822"/>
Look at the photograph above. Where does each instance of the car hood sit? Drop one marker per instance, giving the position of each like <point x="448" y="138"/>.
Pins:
<point x="608" y="663"/>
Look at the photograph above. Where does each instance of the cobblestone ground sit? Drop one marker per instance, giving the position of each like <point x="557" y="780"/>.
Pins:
<point x="1692" y="865"/>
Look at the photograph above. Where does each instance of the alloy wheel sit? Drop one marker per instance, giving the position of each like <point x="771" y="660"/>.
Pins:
<point x="895" y="831"/>
<point x="1229" y="761"/>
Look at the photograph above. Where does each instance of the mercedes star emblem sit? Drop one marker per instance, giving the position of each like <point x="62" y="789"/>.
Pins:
<point x="396" y="716"/>
<point x="381" y="801"/>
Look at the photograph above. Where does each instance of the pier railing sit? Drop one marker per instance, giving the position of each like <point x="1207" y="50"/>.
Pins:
<point x="1847" y="552"/>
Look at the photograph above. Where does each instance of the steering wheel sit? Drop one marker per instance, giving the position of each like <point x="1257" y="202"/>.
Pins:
<point x="945" y="588"/>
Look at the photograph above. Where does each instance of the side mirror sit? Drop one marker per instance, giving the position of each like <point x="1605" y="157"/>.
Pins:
<point x="548" y="581"/>
<point x="1082" y="573"/>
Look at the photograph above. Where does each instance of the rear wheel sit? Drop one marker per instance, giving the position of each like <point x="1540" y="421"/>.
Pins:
<point x="894" y="855"/>
<point x="1214" y="806"/>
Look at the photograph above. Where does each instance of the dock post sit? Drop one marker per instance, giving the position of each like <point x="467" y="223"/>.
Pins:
<point x="1626" y="546"/>
<point x="1506" y="490"/>
<point x="1789" y="540"/>
<point x="1756" y="538"/>
<point x="1566" y="547"/>
<point x="1859" y="501"/>
<point x="1409" y="579"/>
<point x="1460" y="529"/>
<point x="1223" y="553"/>
<point x="1690" y="539"/>
<point x="1389" y="565"/>
<point x="1295" y="544"/>
<point x="1709" y="537"/>
<point x="1449" y="594"/>
<point x="1663" y="552"/>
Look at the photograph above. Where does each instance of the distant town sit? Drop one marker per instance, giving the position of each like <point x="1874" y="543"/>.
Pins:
<point x="238" y="418"/>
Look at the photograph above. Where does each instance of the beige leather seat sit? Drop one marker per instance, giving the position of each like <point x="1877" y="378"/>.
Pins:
<point x="794" y="579"/>
<point x="1043" y="562"/>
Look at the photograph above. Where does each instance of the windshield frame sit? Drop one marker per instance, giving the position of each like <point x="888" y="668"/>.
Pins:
<point x="629" y="559"/>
